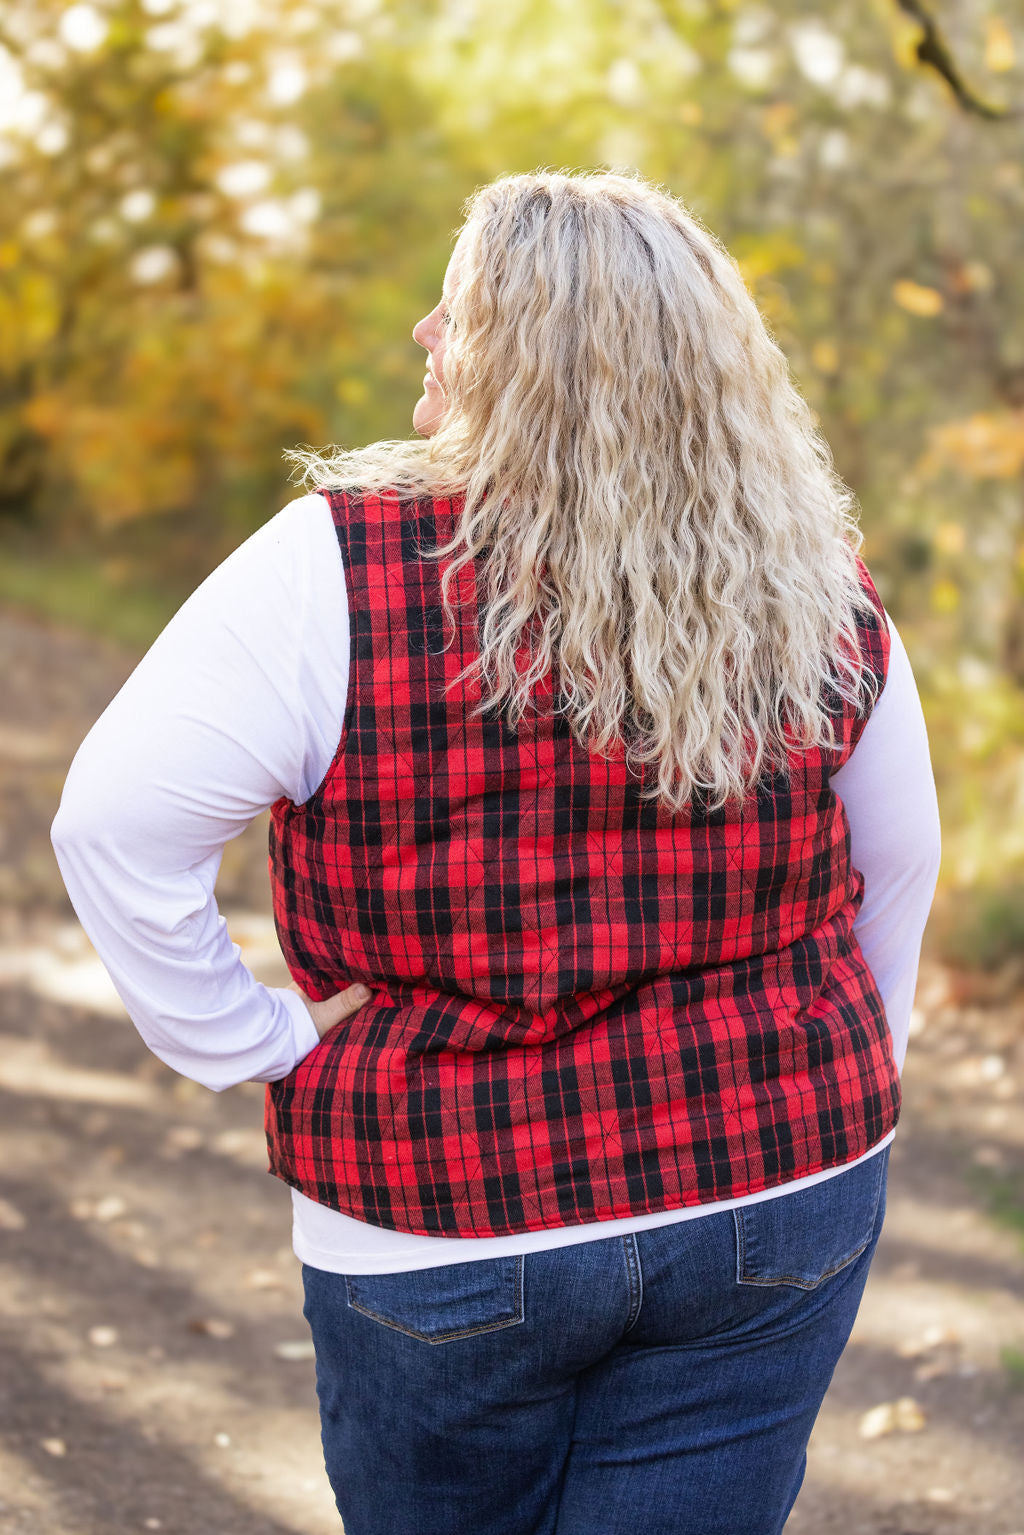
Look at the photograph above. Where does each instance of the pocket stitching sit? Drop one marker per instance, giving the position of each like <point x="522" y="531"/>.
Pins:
<point x="801" y="1284"/>
<point x="791" y="1279"/>
<point x="457" y="1332"/>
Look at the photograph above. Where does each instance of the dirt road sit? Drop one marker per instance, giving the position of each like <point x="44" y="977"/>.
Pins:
<point x="155" y="1370"/>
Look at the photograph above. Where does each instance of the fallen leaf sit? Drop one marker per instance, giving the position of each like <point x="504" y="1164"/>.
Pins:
<point x="109" y="1208"/>
<point x="931" y="1371"/>
<point x="213" y="1327"/>
<point x="228" y="1142"/>
<point x="11" y="1219"/>
<point x="877" y="1421"/>
<point x="264" y="1279"/>
<point x="932" y="1337"/>
<point x="184" y="1138"/>
<point x="296" y="1351"/>
<point x="909" y="1416"/>
<point x="904" y="1415"/>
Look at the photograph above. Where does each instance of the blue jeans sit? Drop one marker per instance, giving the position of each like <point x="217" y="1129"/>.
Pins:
<point x="666" y="1381"/>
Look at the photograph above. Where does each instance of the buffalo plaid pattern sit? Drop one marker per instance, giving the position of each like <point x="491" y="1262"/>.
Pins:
<point x="584" y="1005"/>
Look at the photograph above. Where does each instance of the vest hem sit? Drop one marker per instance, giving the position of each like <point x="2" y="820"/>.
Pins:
<point x="636" y="1207"/>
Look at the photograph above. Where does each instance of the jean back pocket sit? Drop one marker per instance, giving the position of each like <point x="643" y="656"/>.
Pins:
<point x="451" y="1300"/>
<point x="805" y="1237"/>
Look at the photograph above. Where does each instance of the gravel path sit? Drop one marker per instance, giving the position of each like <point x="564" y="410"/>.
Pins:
<point x="155" y="1370"/>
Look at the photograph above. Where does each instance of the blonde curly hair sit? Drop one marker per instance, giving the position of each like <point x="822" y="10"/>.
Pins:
<point x="645" y="491"/>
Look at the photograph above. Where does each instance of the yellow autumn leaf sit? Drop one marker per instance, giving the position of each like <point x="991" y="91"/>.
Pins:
<point x="769" y="254"/>
<point x="351" y="391"/>
<point x="999" y="51"/>
<point x="903" y="1415"/>
<point x="915" y="298"/>
<point x="950" y="538"/>
<point x="987" y="446"/>
<point x="973" y="277"/>
<point x="45" y="412"/>
<point x="945" y="597"/>
<point x="777" y="119"/>
<point x="825" y="356"/>
<point x="905" y="34"/>
<point x="38" y="306"/>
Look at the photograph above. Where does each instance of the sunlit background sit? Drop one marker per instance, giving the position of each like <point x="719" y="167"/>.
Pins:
<point x="219" y="221"/>
<point x="222" y="217"/>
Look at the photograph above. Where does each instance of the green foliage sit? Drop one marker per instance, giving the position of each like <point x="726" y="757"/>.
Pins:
<point x="1012" y="1361"/>
<point x="983" y="927"/>
<point x="1003" y="1196"/>
<point x="218" y="235"/>
<point x="82" y="595"/>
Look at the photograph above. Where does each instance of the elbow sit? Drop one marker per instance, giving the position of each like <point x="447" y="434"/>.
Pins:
<point x="924" y="860"/>
<point x="932" y="852"/>
<point x="923" y="866"/>
<point x="72" y="824"/>
<point x="87" y="818"/>
<point x="61" y="830"/>
<point x="922" y="853"/>
<point x="65" y="836"/>
<point x="70" y="834"/>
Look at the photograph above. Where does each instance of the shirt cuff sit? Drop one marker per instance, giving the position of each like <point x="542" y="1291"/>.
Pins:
<point x="304" y="1033"/>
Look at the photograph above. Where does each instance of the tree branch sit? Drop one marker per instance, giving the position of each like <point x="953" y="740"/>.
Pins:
<point x="933" y="51"/>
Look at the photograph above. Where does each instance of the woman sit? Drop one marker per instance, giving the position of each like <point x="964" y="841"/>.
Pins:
<point x="597" y="760"/>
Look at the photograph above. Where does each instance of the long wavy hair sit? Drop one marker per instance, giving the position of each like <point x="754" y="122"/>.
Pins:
<point x="643" y="488"/>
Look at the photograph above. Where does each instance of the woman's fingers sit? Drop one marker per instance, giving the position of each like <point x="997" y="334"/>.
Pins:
<point x="334" y="1010"/>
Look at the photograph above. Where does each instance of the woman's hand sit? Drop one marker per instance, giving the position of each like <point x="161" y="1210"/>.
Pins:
<point x="333" y="1010"/>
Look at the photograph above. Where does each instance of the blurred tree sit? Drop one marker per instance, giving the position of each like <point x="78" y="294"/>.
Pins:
<point x="194" y="220"/>
<point x="221" y="220"/>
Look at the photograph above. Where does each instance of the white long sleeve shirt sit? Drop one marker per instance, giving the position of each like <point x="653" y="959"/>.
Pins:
<point x="240" y="701"/>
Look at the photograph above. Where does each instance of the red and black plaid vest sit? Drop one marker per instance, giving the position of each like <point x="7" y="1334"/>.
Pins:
<point x="584" y="1005"/>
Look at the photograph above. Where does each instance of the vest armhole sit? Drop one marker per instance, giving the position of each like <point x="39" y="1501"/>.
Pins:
<point x="876" y="647"/>
<point x="340" y="505"/>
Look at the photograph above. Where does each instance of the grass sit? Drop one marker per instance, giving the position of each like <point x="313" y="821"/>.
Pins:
<point x="1012" y="1361"/>
<point x="982" y="928"/>
<point x="99" y="598"/>
<point x="1003" y="1198"/>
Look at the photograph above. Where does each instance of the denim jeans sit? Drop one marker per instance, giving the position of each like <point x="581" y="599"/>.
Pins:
<point x="663" y="1382"/>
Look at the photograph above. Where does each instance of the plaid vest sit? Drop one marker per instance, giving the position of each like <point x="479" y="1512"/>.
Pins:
<point x="584" y="1005"/>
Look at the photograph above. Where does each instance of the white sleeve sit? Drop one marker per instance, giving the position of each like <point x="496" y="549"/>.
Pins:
<point x="239" y="701"/>
<point x="888" y="790"/>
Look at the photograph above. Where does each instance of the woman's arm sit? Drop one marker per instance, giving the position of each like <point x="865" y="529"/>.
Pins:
<point x="239" y="701"/>
<point x="888" y="790"/>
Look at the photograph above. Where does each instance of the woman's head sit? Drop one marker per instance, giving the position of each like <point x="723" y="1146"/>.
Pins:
<point x="650" y="491"/>
<point x="570" y="292"/>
